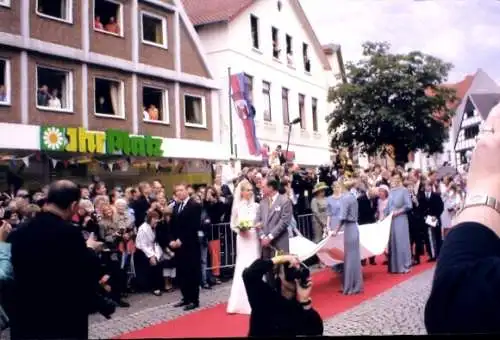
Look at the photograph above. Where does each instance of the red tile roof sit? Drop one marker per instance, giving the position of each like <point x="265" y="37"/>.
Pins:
<point x="202" y="12"/>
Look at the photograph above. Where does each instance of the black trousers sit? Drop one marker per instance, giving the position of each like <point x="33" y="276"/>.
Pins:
<point x="189" y="276"/>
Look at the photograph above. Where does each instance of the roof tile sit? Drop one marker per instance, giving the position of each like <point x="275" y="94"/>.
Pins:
<point x="202" y="12"/>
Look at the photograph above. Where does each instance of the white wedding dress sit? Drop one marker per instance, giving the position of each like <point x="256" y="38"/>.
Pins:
<point x="247" y="251"/>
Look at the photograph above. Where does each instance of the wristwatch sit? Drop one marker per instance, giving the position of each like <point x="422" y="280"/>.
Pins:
<point x="481" y="200"/>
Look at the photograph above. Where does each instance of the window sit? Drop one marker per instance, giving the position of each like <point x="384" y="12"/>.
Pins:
<point x="54" y="89"/>
<point x="266" y="92"/>
<point x="254" y="25"/>
<point x="471" y="132"/>
<point x="302" y="100"/>
<point x="155" y="105"/>
<point x="315" y="114"/>
<point x="109" y="97"/>
<point x="194" y="111"/>
<point x="289" y="50"/>
<point x="284" y="103"/>
<point x="154" y="30"/>
<point x="55" y="9"/>
<point x="305" y="55"/>
<point x="5" y="3"/>
<point x="276" y="42"/>
<point x="108" y="16"/>
<point x="249" y="86"/>
<point x="4" y="81"/>
<point x="470" y="114"/>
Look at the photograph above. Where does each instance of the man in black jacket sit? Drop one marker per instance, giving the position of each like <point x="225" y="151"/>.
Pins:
<point x="54" y="277"/>
<point x="186" y="225"/>
<point x="430" y="204"/>
<point x="285" y="313"/>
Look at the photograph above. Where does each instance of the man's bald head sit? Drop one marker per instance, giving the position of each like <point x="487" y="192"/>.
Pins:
<point x="63" y="194"/>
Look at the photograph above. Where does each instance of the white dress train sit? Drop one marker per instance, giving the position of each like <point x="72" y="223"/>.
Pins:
<point x="247" y="251"/>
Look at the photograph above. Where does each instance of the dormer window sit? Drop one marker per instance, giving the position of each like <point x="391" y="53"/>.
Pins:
<point x="307" y="61"/>
<point x="470" y="113"/>
<point x="276" y="43"/>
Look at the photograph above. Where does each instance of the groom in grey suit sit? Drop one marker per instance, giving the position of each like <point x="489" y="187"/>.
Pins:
<point x="273" y="216"/>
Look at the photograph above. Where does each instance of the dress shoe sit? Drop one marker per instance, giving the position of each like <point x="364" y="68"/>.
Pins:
<point x="123" y="304"/>
<point x="180" y="304"/>
<point x="431" y="260"/>
<point x="191" y="306"/>
<point x="206" y="286"/>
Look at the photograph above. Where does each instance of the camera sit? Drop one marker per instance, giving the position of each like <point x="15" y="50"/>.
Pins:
<point x="301" y="274"/>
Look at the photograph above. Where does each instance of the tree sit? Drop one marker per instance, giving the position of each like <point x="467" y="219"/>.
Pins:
<point x="394" y="101"/>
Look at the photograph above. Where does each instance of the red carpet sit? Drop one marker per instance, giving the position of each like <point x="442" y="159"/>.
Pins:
<point x="327" y="300"/>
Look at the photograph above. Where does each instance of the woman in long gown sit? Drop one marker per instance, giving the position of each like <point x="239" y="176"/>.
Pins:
<point x="399" y="242"/>
<point x="452" y="203"/>
<point x="352" y="275"/>
<point x="333" y="203"/>
<point x="247" y="246"/>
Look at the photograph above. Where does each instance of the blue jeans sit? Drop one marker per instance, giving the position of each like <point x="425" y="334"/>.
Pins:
<point x="205" y="273"/>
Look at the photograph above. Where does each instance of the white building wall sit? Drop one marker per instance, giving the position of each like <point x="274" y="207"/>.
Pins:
<point x="230" y="46"/>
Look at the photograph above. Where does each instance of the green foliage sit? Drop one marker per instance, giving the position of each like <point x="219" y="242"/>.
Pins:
<point x="391" y="99"/>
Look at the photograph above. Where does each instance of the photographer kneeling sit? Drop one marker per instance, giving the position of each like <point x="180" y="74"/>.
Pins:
<point x="286" y="311"/>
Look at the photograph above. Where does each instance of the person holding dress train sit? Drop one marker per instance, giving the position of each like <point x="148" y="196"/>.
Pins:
<point x="352" y="277"/>
<point x="399" y="205"/>
<point x="247" y="246"/>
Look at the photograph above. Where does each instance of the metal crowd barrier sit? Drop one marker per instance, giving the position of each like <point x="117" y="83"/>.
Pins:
<point x="222" y="242"/>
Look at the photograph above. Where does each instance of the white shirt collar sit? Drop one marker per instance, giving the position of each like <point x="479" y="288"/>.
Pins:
<point x="185" y="201"/>
<point x="274" y="197"/>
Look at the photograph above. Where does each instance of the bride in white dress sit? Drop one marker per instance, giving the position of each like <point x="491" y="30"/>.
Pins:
<point x="247" y="246"/>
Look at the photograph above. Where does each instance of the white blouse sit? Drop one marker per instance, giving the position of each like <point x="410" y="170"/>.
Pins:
<point x="145" y="241"/>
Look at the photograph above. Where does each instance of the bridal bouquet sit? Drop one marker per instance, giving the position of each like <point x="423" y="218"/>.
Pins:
<point x="245" y="225"/>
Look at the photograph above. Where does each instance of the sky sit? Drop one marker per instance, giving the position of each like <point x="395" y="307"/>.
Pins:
<point x="463" y="32"/>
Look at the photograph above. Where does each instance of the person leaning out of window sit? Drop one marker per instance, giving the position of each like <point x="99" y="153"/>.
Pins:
<point x="286" y="312"/>
<point x="465" y="294"/>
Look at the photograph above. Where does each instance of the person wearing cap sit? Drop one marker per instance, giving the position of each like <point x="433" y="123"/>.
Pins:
<point x="319" y="211"/>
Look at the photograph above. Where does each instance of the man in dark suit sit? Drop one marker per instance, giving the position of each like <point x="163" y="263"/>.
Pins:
<point x="54" y="276"/>
<point x="431" y="204"/>
<point x="186" y="226"/>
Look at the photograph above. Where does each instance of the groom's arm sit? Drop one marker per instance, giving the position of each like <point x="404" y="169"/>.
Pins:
<point x="258" y="223"/>
<point x="285" y="220"/>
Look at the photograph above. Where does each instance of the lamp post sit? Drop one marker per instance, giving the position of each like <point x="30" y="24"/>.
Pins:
<point x="293" y="122"/>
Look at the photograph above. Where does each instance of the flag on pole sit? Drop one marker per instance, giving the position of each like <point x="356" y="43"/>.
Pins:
<point x="245" y="111"/>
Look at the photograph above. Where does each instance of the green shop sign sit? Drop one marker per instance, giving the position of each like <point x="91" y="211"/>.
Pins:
<point x="111" y="142"/>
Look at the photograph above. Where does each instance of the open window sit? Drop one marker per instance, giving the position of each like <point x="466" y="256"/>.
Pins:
<point x="266" y="92"/>
<point x="254" y="26"/>
<point x="155" y="105"/>
<point x="276" y="42"/>
<point x="249" y="86"/>
<point x="109" y="97"/>
<point x="305" y="55"/>
<point x="302" y="108"/>
<point x="284" y="104"/>
<point x="289" y="50"/>
<point x="315" y="114"/>
<point x="54" y="89"/>
<point x="154" y="29"/>
<point x="4" y="81"/>
<point x="5" y="3"/>
<point x="194" y="111"/>
<point x="55" y="9"/>
<point x="108" y="16"/>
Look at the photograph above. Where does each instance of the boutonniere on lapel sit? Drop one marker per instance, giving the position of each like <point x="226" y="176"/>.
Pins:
<point x="277" y="209"/>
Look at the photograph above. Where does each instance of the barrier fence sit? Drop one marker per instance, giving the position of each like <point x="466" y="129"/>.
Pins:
<point x="221" y="247"/>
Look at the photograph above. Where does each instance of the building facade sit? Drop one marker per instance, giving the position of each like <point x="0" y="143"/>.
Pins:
<point x="288" y="73"/>
<point x="135" y="66"/>
<point x="482" y="95"/>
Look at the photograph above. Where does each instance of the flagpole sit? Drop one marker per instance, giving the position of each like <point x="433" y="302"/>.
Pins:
<point x="230" y="112"/>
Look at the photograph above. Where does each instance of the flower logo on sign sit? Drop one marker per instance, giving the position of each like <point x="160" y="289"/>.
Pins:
<point x="53" y="138"/>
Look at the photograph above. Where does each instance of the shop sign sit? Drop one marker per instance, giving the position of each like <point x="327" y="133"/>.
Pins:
<point x="111" y="141"/>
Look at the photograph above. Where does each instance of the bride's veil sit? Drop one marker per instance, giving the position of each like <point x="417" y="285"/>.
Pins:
<point x="237" y="202"/>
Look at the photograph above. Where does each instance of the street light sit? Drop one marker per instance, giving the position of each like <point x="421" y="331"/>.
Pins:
<point x="293" y="122"/>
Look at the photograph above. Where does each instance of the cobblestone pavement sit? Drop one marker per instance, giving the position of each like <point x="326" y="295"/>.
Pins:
<point x="398" y="311"/>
